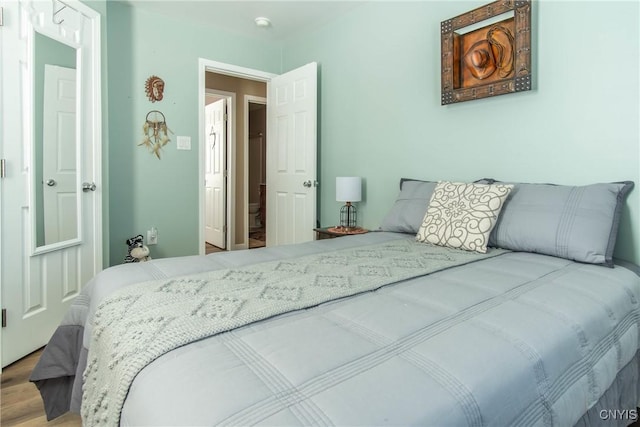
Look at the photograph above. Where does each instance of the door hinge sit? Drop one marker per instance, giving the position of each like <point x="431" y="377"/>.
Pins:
<point x="226" y="117"/>
<point x="3" y="169"/>
<point x="1" y="15"/>
<point x="224" y="229"/>
<point x="4" y="317"/>
<point x="225" y="173"/>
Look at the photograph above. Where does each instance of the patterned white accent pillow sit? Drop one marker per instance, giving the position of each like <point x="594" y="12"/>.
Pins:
<point x="462" y="215"/>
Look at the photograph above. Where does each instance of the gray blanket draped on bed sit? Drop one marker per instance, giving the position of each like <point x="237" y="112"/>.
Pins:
<point x="140" y="323"/>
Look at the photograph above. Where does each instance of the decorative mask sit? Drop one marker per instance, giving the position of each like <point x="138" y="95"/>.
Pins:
<point x="154" y="87"/>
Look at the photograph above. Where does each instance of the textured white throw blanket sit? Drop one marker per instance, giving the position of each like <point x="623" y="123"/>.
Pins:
<point x="139" y="323"/>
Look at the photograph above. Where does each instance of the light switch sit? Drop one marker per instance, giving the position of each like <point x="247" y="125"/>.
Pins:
<point x="183" y="143"/>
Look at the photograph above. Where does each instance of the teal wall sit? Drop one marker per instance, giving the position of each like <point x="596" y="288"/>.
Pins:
<point x="381" y="118"/>
<point x="145" y="191"/>
<point x="380" y="114"/>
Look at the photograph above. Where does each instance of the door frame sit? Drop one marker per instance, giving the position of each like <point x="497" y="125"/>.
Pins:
<point x="231" y="155"/>
<point x="204" y="66"/>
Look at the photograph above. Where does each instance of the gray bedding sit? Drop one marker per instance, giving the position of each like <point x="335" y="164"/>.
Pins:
<point x="517" y="339"/>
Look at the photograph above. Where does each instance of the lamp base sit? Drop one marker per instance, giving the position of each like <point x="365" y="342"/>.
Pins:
<point x="348" y="216"/>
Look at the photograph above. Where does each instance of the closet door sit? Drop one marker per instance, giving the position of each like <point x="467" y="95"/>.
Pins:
<point x="41" y="276"/>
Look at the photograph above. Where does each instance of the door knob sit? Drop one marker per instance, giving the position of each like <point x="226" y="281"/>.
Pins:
<point x="51" y="182"/>
<point x="88" y="186"/>
<point x="307" y="184"/>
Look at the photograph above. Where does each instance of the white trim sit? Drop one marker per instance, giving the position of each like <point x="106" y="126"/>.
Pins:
<point x="205" y="65"/>
<point x="98" y="178"/>
<point x="236" y="71"/>
<point x="254" y="100"/>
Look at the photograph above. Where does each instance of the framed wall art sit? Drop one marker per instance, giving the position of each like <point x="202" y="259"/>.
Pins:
<point x="486" y="52"/>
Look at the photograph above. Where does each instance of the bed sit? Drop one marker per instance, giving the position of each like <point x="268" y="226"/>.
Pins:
<point x="536" y="330"/>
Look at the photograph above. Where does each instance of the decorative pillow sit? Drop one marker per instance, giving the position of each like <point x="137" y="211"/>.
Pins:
<point x="462" y="215"/>
<point x="407" y="212"/>
<point x="573" y="222"/>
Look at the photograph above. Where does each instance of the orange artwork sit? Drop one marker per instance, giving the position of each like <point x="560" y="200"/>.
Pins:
<point x="479" y="61"/>
<point x="487" y="54"/>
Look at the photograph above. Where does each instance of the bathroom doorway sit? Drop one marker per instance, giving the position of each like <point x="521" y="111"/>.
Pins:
<point x="236" y="217"/>
<point x="256" y="114"/>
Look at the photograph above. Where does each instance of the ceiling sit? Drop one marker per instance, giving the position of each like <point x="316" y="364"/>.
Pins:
<point x="288" y="18"/>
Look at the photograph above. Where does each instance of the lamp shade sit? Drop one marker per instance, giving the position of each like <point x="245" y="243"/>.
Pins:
<point x="348" y="189"/>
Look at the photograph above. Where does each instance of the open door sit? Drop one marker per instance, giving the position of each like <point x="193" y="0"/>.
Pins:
<point x="290" y="188"/>
<point x="39" y="280"/>
<point x="215" y="173"/>
<point x="292" y="156"/>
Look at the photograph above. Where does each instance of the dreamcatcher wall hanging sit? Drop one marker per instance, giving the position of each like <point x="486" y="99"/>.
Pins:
<point x="156" y="132"/>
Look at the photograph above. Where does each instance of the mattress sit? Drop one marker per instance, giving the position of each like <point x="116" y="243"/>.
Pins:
<point x="517" y="339"/>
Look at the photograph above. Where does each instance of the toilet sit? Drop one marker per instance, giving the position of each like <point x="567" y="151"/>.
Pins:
<point x="254" y="215"/>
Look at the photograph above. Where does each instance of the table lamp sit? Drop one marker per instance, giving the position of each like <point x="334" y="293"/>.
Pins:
<point x="348" y="190"/>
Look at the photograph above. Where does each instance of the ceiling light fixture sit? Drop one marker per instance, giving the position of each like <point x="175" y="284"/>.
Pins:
<point x="263" y="22"/>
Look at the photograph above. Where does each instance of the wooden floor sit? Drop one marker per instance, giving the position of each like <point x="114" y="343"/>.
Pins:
<point x="20" y="401"/>
<point x="253" y="244"/>
<point x="209" y="249"/>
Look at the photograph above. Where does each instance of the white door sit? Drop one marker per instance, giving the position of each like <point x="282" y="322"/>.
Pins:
<point x="215" y="173"/>
<point x="39" y="283"/>
<point x="59" y="154"/>
<point x="291" y="156"/>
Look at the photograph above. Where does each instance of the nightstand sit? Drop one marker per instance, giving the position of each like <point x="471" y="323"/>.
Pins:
<point x="332" y="232"/>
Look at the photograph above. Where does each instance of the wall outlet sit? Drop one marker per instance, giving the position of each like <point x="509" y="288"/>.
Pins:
<point x="152" y="236"/>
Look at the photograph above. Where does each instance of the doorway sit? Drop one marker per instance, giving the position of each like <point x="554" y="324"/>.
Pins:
<point x="291" y="166"/>
<point x="234" y="221"/>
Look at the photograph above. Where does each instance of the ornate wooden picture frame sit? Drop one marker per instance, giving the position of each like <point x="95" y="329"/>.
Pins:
<point x="486" y="52"/>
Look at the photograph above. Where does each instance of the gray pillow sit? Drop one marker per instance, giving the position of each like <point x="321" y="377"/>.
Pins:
<point x="573" y="222"/>
<point x="408" y="211"/>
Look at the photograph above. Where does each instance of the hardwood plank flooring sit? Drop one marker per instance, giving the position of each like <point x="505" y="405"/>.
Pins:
<point x="20" y="401"/>
<point x="253" y="244"/>
<point x="209" y="249"/>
